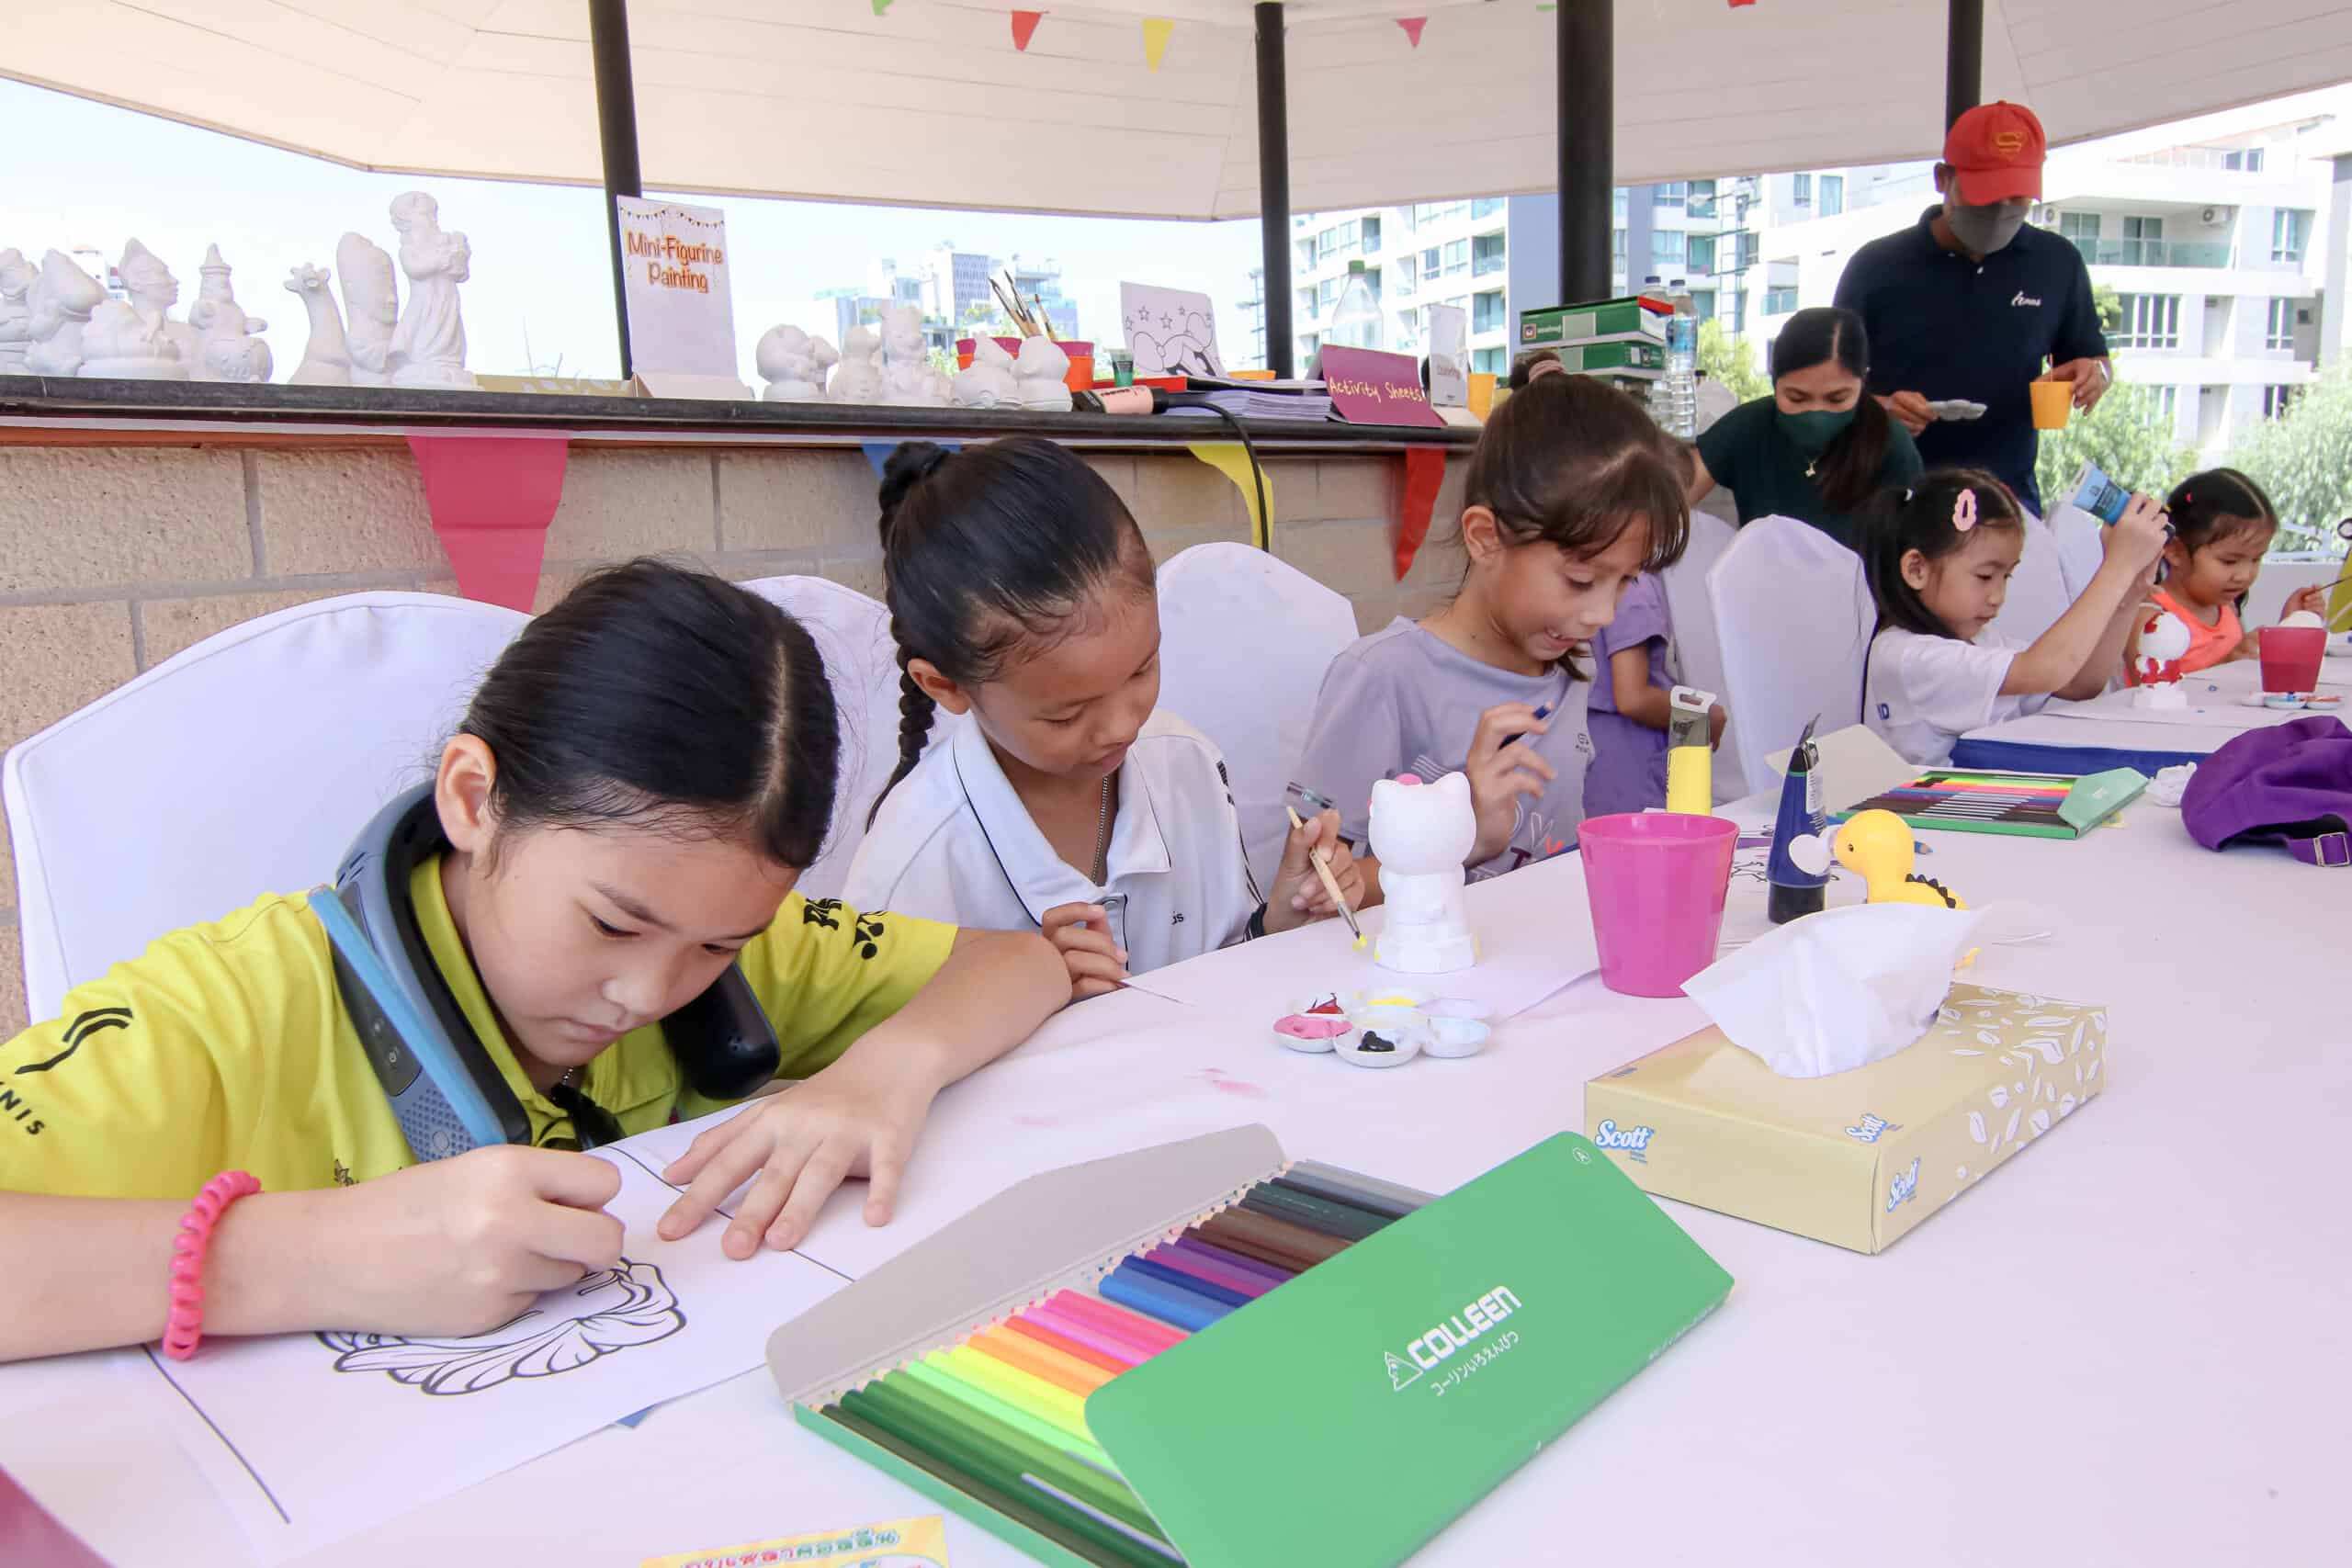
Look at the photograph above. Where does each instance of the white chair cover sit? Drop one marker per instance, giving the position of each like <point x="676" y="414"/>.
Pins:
<point x="1697" y="654"/>
<point x="852" y="634"/>
<point x="2038" y="593"/>
<point x="241" y="766"/>
<point x="1795" y="621"/>
<point x="2082" y="545"/>
<point x="1244" y="642"/>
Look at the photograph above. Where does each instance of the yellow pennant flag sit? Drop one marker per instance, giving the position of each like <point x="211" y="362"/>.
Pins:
<point x="1229" y="458"/>
<point x="1155" y="38"/>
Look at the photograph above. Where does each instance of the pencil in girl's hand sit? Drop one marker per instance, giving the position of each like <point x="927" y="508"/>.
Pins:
<point x="1331" y="883"/>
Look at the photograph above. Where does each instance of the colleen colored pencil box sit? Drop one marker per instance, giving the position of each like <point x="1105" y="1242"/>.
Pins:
<point x="1856" y="1159"/>
<point x="1452" y="1339"/>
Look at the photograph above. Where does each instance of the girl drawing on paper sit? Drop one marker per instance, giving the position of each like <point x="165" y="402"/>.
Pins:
<point x="627" y="805"/>
<point x="626" y="1305"/>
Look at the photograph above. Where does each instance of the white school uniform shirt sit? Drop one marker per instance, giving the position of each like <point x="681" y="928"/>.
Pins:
<point x="1924" y="693"/>
<point x="954" y="842"/>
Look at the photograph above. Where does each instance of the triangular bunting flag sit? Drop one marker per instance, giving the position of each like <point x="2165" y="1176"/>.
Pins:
<point x="1413" y="26"/>
<point x="1024" y="28"/>
<point x="880" y="6"/>
<point x="1736" y="5"/>
<point x="1155" y="39"/>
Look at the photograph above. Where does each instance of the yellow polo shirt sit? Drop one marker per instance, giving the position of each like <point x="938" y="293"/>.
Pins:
<point x="226" y="1046"/>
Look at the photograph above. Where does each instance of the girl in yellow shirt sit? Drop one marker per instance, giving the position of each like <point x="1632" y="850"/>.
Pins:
<point x="628" y="804"/>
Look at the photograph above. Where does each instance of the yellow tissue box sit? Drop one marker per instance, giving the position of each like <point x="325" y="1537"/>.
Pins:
<point x="1855" y="1158"/>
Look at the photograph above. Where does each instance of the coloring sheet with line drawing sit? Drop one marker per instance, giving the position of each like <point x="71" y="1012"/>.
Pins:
<point x="1169" y="330"/>
<point x="311" y="1438"/>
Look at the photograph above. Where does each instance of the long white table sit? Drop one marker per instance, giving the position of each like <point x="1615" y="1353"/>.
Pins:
<point x="2126" y="1346"/>
<point x="2107" y="732"/>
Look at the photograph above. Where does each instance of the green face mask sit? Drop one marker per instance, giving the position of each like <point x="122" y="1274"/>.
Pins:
<point x="1814" y="430"/>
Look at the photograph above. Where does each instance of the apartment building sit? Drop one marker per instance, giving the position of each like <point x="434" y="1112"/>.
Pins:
<point x="950" y="287"/>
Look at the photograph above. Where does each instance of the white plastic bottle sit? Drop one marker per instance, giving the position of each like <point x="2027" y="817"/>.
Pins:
<point x="1681" y="383"/>
<point x="1356" y="322"/>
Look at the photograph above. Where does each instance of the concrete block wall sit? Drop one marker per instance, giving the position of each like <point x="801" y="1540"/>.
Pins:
<point x="114" y="558"/>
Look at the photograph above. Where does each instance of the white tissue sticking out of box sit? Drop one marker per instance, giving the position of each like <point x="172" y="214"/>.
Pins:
<point x="1838" y="990"/>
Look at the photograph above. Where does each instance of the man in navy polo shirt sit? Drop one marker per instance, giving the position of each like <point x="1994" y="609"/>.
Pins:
<point x="1970" y="303"/>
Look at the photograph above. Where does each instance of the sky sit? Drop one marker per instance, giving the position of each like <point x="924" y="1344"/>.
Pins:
<point x="84" y="174"/>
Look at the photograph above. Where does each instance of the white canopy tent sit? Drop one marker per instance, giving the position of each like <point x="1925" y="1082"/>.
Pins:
<point x="931" y="103"/>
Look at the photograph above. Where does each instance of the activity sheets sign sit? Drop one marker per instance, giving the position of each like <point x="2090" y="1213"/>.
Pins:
<point x="311" y="1438"/>
<point x="1169" y="331"/>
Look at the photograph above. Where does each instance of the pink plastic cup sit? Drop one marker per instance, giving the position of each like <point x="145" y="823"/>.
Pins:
<point x="2290" y="656"/>
<point x="1657" y="880"/>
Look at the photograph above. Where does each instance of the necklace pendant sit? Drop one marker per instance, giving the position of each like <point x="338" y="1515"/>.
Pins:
<point x="1810" y="466"/>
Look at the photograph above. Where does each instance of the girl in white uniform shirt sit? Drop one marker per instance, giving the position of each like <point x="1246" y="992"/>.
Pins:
<point x="1939" y="556"/>
<point x="1021" y="595"/>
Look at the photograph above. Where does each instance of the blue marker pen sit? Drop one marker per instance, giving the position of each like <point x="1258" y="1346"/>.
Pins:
<point x="1510" y="740"/>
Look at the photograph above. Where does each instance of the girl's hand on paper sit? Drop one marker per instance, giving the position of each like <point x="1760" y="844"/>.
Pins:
<point x="1298" y="895"/>
<point x="458" y="1245"/>
<point x="858" y="1118"/>
<point x="1081" y="934"/>
<point x="1500" y="773"/>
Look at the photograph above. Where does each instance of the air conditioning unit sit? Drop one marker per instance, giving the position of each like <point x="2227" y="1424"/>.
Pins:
<point x="2213" y="215"/>
<point x="2044" y="216"/>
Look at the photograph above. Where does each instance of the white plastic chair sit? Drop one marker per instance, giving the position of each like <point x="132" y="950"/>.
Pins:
<point x="1696" y="654"/>
<point x="1796" y="620"/>
<point x="1244" y="642"/>
<point x="852" y="634"/>
<point x="2082" y="545"/>
<point x="237" y="767"/>
<point x="2037" y="594"/>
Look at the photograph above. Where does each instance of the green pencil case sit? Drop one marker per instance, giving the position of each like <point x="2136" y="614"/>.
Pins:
<point x="1453" y="1344"/>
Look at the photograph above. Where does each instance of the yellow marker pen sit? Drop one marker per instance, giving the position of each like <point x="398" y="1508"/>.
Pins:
<point x="1689" y="757"/>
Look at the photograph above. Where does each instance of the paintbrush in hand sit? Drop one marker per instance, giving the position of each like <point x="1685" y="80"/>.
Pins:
<point x="1331" y="884"/>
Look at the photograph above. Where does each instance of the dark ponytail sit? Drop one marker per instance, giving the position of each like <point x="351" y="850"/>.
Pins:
<point x="665" y="698"/>
<point x="987" y="550"/>
<point x="1923" y="518"/>
<point x="1848" y="470"/>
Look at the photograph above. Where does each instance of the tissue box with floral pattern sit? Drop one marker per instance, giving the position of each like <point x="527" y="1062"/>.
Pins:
<point x="1856" y="1159"/>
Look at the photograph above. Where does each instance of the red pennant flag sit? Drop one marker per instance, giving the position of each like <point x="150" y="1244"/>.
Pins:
<point x="1424" y="477"/>
<point x="1024" y="28"/>
<point x="492" y="498"/>
<point x="1413" y="26"/>
<point x="1736" y="5"/>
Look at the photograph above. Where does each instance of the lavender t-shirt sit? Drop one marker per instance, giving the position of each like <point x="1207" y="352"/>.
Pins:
<point x="1403" y="699"/>
<point x="1628" y="770"/>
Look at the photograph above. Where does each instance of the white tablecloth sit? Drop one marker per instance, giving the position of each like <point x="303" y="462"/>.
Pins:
<point x="2217" y="713"/>
<point x="2126" y="1346"/>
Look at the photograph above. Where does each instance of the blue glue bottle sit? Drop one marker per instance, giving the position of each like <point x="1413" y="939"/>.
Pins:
<point x="1796" y="839"/>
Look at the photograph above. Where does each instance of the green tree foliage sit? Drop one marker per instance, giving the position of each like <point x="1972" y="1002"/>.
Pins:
<point x="1730" y="361"/>
<point x="2304" y="459"/>
<point x="2127" y="436"/>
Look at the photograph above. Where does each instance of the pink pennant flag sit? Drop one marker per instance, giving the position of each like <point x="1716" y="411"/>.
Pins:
<point x="492" y="498"/>
<point x="1413" y="26"/>
<point x="1024" y="28"/>
<point x="1736" y="5"/>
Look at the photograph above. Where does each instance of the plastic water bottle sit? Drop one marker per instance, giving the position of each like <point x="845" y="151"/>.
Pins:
<point x="1680" y="382"/>
<point x="1356" y="322"/>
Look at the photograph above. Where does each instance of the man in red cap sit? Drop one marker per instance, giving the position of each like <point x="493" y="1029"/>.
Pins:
<point x="1969" y="304"/>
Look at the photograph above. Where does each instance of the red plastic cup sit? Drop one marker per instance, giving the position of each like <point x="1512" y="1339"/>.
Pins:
<point x="1656" y="881"/>
<point x="2290" y="656"/>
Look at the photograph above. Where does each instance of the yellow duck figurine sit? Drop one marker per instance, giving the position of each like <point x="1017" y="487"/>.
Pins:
<point x="1877" y="847"/>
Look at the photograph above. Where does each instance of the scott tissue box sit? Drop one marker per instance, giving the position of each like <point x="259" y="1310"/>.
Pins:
<point x="1855" y="1158"/>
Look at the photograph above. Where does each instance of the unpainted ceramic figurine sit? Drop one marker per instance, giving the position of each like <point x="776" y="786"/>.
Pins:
<point x="370" y="307"/>
<point x="989" y="383"/>
<point x="858" y="378"/>
<point x="16" y="316"/>
<point x="1044" y="370"/>
<point x="326" y="357"/>
<point x="231" y="349"/>
<point x="153" y="291"/>
<point x="429" y="341"/>
<point x="793" y="364"/>
<point x="60" y="303"/>
<point x="908" y="379"/>
<point x="1420" y="834"/>
<point x="121" y="342"/>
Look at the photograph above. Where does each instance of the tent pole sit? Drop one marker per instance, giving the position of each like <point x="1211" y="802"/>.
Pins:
<point x="1963" y="59"/>
<point x="1273" y="186"/>
<point x="617" y="125"/>
<point x="1588" y="69"/>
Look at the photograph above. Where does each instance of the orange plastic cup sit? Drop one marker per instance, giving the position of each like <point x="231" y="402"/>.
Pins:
<point x="2053" y="404"/>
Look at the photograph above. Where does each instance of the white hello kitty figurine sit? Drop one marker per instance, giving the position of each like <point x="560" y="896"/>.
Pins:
<point x="2163" y="640"/>
<point x="1044" y="372"/>
<point x="858" y="378"/>
<point x="793" y="364"/>
<point x="1421" y="833"/>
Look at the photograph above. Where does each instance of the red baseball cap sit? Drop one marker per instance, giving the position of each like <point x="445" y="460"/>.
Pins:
<point x="1995" y="151"/>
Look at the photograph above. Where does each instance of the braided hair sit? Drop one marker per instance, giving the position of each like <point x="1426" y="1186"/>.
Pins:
<point x="988" y="550"/>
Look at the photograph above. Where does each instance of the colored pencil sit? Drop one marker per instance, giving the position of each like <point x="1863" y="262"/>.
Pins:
<point x="1184" y="1279"/>
<point x="989" y="1404"/>
<point x="1167" y="1303"/>
<point x="1081" y="1482"/>
<point x="1261" y="1236"/>
<point x="1324" y="1215"/>
<point x="1191" y="1261"/>
<point x="1028" y="1326"/>
<point x="1023" y="1391"/>
<point x="1083" y="1332"/>
<point x="1364" y="1191"/>
<point x="1284" y="1184"/>
<point x="1274" y="1274"/>
<point x="1039" y="1360"/>
<point x="1115" y="1319"/>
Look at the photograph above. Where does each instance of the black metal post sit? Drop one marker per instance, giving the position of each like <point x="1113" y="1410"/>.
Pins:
<point x="1588" y="88"/>
<point x="617" y="125"/>
<point x="1963" y="59"/>
<point x="1273" y="186"/>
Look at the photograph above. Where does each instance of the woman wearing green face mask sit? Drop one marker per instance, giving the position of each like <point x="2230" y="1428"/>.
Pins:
<point x="1817" y="448"/>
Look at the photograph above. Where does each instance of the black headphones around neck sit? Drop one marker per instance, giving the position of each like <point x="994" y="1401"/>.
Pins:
<point x="445" y="1088"/>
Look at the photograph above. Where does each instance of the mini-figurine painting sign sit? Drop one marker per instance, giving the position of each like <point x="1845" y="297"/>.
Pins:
<point x="1370" y="387"/>
<point x="681" y="306"/>
<point x="1169" y="331"/>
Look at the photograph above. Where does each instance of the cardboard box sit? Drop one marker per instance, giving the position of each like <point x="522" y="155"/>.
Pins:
<point x="1856" y="1159"/>
<point x="1604" y="318"/>
<point x="1613" y="354"/>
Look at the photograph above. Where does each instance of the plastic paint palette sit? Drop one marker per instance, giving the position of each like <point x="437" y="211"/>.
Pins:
<point x="1385" y="1027"/>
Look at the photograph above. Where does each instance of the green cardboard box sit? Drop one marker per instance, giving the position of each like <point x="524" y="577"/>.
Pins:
<point x="1601" y="319"/>
<point x="1452" y="1345"/>
<point x="1613" y="354"/>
